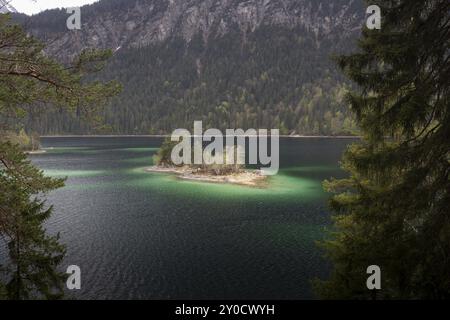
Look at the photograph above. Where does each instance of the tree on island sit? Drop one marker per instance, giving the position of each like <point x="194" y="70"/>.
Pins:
<point x="32" y="82"/>
<point x="393" y="209"/>
<point x="163" y="158"/>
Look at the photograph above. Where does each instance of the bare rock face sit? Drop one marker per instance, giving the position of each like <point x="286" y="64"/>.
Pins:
<point x="137" y="23"/>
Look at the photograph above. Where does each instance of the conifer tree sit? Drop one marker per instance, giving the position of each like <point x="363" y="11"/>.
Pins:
<point x="31" y="81"/>
<point x="34" y="256"/>
<point x="393" y="209"/>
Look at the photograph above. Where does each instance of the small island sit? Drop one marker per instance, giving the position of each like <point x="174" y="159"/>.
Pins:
<point x="213" y="173"/>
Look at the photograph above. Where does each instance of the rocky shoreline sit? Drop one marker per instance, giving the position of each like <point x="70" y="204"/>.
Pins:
<point x="250" y="178"/>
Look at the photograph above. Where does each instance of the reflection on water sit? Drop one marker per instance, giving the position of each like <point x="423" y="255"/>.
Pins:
<point x="148" y="235"/>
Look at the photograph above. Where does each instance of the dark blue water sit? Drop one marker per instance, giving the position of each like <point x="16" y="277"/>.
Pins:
<point x="150" y="236"/>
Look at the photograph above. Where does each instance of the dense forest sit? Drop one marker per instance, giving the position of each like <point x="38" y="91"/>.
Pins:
<point x="392" y="211"/>
<point x="274" y="76"/>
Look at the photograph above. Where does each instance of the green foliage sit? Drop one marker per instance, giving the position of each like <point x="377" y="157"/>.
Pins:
<point x="163" y="156"/>
<point x="33" y="83"/>
<point x="393" y="209"/>
<point x="34" y="256"/>
<point x="22" y="139"/>
<point x="222" y="169"/>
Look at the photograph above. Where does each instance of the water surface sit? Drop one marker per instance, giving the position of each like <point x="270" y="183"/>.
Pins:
<point x="150" y="236"/>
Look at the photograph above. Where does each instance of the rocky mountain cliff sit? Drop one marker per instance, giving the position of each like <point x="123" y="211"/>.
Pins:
<point x="229" y="62"/>
<point x="135" y="23"/>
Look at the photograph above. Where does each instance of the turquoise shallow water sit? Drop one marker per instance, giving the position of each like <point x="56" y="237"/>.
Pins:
<point x="148" y="235"/>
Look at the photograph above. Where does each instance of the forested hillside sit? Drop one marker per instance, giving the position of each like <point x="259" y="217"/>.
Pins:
<point x="229" y="63"/>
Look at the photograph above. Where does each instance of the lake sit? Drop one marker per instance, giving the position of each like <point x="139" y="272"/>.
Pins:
<point x="140" y="235"/>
